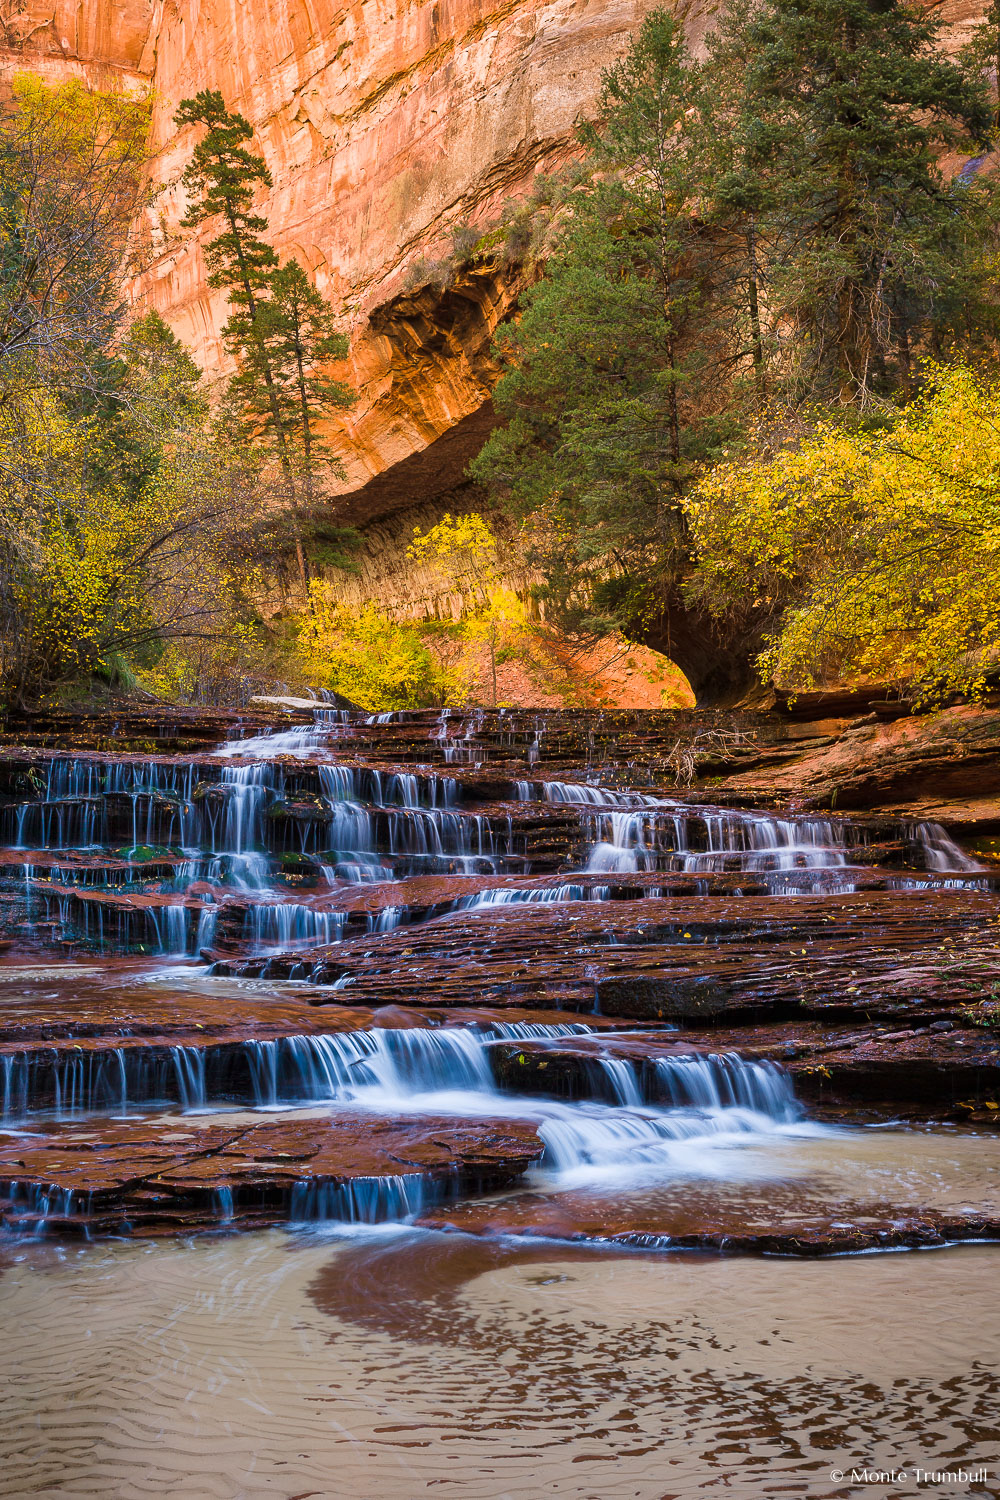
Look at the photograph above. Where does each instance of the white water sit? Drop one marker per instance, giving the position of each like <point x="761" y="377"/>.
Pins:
<point x="715" y="1101"/>
<point x="659" y="837"/>
<point x="941" y="852"/>
<point x="711" y="1102"/>
<point x="361" y="825"/>
<point x="367" y="825"/>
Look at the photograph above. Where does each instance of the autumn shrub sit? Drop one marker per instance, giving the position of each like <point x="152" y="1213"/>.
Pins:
<point x="494" y="619"/>
<point x="877" y="552"/>
<point x="124" y="525"/>
<point x="128" y="523"/>
<point x="366" y="656"/>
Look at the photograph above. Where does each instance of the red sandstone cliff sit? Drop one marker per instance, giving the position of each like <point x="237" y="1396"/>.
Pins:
<point x="384" y="125"/>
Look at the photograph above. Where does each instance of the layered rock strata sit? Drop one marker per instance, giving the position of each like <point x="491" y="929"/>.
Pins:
<point x="523" y="912"/>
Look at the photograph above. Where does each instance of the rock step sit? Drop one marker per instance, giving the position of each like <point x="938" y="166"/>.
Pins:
<point x="928" y="1072"/>
<point x="555" y="741"/>
<point x="662" y="960"/>
<point x="877" y="1227"/>
<point x="144" y="918"/>
<point x="158" y="727"/>
<point x="136" y="1176"/>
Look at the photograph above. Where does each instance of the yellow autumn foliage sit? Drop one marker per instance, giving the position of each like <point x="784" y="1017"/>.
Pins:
<point x="466" y="543"/>
<point x="73" y="168"/>
<point x="72" y="532"/>
<point x="876" y="552"/>
<point x="467" y="553"/>
<point x="97" y="570"/>
<point x="365" y="655"/>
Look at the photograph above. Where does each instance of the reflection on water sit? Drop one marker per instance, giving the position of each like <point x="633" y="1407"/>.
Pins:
<point x="405" y="1364"/>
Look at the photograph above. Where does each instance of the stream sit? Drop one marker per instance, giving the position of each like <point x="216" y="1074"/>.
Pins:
<point x="413" y="1104"/>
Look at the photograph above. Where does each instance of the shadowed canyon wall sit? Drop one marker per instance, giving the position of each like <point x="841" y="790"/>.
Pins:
<point x="385" y="124"/>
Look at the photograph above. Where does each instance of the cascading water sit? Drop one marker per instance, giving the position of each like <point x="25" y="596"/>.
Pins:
<point x="254" y="848"/>
<point x="365" y="1200"/>
<point x="940" y="851"/>
<point x="637" y="1116"/>
<point x="662" y="837"/>
<point x="289" y="924"/>
<point x="227" y="823"/>
<point x="396" y="1066"/>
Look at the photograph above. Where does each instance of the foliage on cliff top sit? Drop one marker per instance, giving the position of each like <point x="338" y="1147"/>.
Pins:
<point x="877" y="552"/>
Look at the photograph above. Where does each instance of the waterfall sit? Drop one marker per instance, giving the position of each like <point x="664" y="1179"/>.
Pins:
<point x="250" y="852"/>
<point x="399" y="1069"/>
<point x="517" y="895"/>
<point x="288" y="924"/>
<point x="523" y="1031"/>
<point x="33" y="1207"/>
<point x="725" y="1081"/>
<point x="397" y="1063"/>
<point x="941" y="852"/>
<point x="247" y="787"/>
<point x="363" y="1200"/>
<point x="659" y="836"/>
<point x="171" y="924"/>
<point x="618" y="1078"/>
<point x="582" y="795"/>
<point x="294" y="742"/>
<point x="624" y="1140"/>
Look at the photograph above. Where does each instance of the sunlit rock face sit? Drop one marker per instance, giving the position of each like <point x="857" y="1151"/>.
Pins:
<point x="88" y="37"/>
<point x="384" y="125"/>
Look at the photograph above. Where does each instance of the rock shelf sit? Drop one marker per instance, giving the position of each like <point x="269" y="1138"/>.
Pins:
<point x="184" y="1173"/>
<point x="354" y="919"/>
<point x="742" y="1230"/>
<point x="673" y="959"/>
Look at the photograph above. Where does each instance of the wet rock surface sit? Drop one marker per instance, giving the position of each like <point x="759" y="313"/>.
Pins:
<point x="495" y="911"/>
<point x="818" y="1194"/>
<point x="183" y="1173"/>
<point x="741" y="1231"/>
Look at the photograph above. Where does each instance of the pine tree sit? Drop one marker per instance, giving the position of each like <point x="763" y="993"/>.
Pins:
<point x="985" y="52"/>
<point x="222" y="178"/>
<point x="294" y="334"/>
<point x="280" y="328"/>
<point x="616" y="365"/>
<point x="834" y="114"/>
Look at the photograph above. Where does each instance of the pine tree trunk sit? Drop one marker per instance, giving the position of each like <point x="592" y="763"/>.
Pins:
<point x="272" y="394"/>
<point x="756" y="341"/>
<point x="279" y="430"/>
<point x="307" y="456"/>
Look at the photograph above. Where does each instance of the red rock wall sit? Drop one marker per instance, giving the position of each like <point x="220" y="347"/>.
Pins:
<point x="384" y="123"/>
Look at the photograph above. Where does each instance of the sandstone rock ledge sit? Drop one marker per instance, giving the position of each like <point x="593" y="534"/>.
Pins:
<point x="172" y="1174"/>
<point x="812" y="1238"/>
